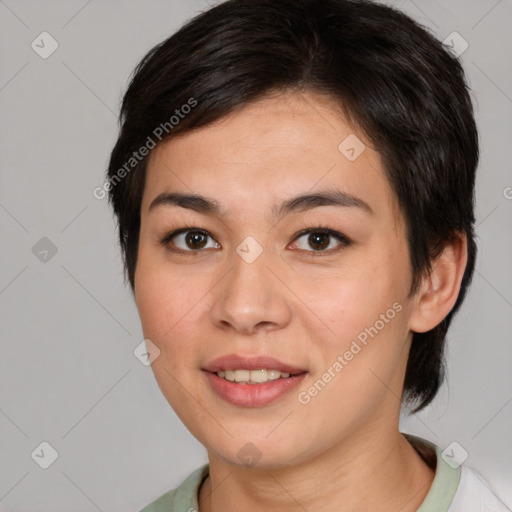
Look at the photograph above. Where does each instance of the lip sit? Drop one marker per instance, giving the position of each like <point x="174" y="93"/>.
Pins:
<point x="252" y="395"/>
<point x="236" y="362"/>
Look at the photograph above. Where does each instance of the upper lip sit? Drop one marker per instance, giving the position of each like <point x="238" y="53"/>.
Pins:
<point x="236" y="362"/>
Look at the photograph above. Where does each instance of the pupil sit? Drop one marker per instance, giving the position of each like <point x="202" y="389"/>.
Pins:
<point x="196" y="239"/>
<point x="318" y="240"/>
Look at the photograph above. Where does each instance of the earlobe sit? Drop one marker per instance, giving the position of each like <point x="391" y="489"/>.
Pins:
<point x="439" y="291"/>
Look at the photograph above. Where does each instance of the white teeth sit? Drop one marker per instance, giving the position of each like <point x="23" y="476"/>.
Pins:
<point x="252" y="376"/>
<point x="242" y="375"/>
<point x="229" y="375"/>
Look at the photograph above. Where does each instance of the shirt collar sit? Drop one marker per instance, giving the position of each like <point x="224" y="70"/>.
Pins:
<point x="438" y="499"/>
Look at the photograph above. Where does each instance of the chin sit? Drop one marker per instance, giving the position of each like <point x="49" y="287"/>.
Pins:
<point x="258" y="453"/>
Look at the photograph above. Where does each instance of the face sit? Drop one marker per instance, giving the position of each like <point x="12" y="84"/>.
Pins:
<point x="295" y="251"/>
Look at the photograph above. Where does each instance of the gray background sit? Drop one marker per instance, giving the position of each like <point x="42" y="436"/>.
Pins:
<point x="68" y="324"/>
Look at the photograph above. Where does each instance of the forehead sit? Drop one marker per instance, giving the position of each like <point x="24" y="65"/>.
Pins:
<point x="274" y="148"/>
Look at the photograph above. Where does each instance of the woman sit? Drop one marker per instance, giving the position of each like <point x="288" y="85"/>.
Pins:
<point x="294" y="185"/>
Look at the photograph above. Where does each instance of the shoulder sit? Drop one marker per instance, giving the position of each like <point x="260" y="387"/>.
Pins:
<point x="163" y="504"/>
<point x="184" y="497"/>
<point x="455" y="488"/>
<point x="474" y="493"/>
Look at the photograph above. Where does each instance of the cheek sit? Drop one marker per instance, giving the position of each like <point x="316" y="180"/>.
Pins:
<point x="168" y="303"/>
<point x="168" y="300"/>
<point x="366" y="309"/>
<point x="346" y="301"/>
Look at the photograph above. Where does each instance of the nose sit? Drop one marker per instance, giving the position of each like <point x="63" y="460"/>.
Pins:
<point x="251" y="298"/>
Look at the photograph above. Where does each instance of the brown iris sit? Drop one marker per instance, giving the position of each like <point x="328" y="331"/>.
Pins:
<point x="318" y="240"/>
<point x="196" y="239"/>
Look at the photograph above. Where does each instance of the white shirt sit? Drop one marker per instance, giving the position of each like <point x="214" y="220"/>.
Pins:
<point x="475" y="494"/>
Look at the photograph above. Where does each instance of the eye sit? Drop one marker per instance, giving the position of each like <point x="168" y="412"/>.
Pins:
<point x="188" y="240"/>
<point x="321" y="240"/>
<point x="313" y="241"/>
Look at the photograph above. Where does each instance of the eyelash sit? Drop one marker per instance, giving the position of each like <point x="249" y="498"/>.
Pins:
<point x="340" y="237"/>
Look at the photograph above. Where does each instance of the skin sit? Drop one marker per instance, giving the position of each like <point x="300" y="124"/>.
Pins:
<point x="343" y="450"/>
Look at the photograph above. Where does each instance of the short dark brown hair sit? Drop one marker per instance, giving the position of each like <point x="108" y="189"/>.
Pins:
<point x="393" y="79"/>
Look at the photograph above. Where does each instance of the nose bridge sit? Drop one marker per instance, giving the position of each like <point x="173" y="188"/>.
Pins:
<point x="251" y="297"/>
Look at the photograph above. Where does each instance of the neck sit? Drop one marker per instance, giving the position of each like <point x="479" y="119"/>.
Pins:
<point x="381" y="471"/>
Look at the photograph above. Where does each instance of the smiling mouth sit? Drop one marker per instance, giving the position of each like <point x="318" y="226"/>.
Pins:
<point x="253" y="387"/>
<point x="253" y="376"/>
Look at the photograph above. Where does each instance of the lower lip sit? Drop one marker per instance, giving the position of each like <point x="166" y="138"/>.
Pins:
<point x="253" y="395"/>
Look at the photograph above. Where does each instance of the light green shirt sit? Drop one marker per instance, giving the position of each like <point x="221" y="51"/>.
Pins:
<point x="439" y="498"/>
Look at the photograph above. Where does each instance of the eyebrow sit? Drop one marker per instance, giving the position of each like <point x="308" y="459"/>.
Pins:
<point x="300" y="203"/>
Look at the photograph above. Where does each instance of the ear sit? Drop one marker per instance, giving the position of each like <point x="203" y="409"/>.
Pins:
<point x="439" y="291"/>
